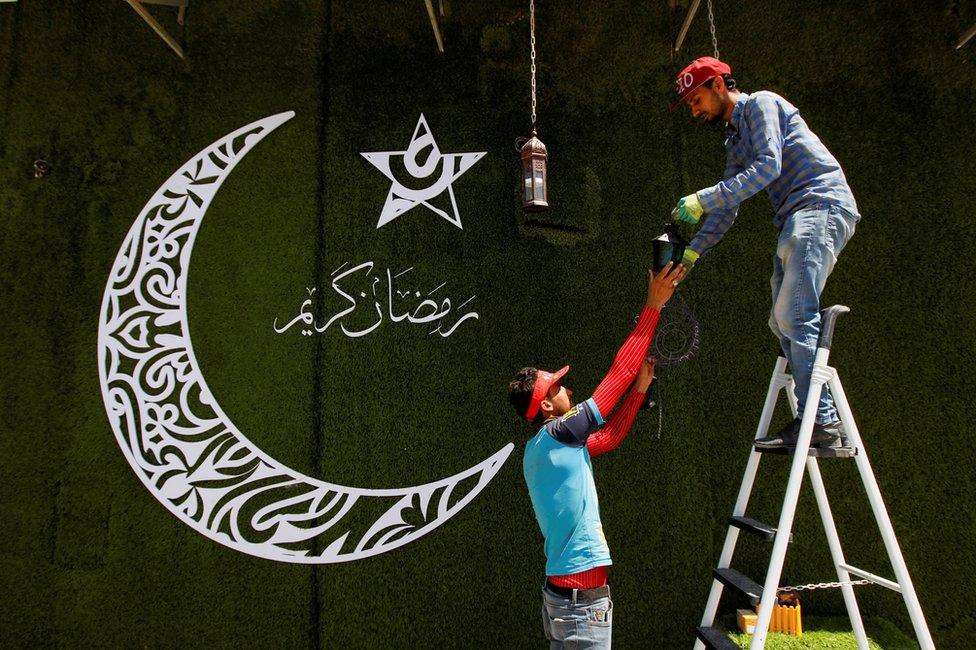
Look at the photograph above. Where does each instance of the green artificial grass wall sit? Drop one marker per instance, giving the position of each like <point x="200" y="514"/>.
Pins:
<point x="90" y="558"/>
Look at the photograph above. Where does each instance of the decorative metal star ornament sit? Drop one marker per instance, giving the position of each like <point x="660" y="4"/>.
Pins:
<point x="422" y="160"/>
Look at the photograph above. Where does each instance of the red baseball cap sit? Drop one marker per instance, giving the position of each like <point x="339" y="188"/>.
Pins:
<point x="697" y="73"/>
<point x="543" y="382"/>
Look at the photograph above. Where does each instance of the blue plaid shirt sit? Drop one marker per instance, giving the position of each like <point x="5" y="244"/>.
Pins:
<point x="770" y="147"/>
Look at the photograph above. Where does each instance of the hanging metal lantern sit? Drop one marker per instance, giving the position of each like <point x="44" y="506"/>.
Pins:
<point x="535" y="198"/>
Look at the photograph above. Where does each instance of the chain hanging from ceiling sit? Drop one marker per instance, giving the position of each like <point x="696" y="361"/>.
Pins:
<point x="711" y="27"/>
<point x="532" y="42"/>
<point x="535" y="195"/>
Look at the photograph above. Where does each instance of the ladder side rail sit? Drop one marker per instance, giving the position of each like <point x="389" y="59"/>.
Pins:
<point x="817" y="382"/>
<point x="833" y="539"/>
<point x="882" y="518"/>
<point x="776" y="383"/>
<point x="837" y="553"/>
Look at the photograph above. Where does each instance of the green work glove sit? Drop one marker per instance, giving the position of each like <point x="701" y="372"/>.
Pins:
<point x="689" y="258"/>
<point x="689" y="209"/>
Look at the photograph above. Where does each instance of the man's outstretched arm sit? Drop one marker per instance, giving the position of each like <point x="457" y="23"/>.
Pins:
<point x="610" y="436"/>
<point x="718" y="220"/>
<point x="625" y="365"/>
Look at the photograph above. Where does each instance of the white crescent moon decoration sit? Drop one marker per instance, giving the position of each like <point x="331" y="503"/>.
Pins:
<point x="182" y="445"/>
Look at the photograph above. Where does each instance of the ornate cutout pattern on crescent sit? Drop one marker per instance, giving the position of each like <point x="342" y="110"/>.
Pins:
<point x="179" y="441"/>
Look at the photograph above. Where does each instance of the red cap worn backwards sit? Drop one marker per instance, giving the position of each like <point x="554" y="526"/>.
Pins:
<point x="697" y="73"/>
<point x="543" y="382"/>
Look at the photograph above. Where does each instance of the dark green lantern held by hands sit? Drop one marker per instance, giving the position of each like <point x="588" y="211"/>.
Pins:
<point x="669" y="247"/>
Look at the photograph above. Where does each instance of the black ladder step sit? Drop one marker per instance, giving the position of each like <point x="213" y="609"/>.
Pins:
<point x="757" y="528"/>
<point x="830" y="452"/>
<point x="715" y="638"/>
<point x="740" y="583"/>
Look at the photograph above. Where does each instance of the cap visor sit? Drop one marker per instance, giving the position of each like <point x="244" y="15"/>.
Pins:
<point x="543" y="383"/>
<point x="678" y="103"/>
<point x="684" y="99"/>
<point x="559" y="375"/>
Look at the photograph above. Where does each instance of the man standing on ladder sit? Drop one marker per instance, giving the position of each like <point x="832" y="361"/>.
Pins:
<point x="769" y="147"/>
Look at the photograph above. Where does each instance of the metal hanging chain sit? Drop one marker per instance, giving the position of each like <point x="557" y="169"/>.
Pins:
<point x="824" y="585"/>
<point x="532" y="40"/>
<point x="711" y="26"/>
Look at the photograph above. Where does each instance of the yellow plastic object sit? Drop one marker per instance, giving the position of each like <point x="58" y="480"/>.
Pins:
<point x="786" y="616"/>
<point x="747" y="620"/>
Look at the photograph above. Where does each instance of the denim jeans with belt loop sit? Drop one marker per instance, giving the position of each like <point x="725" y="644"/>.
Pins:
<point x="578" y="622"/>
<point x="809" y="243"/>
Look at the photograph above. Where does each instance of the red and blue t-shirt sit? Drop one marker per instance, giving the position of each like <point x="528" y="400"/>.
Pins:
<point x="559" y="473"/>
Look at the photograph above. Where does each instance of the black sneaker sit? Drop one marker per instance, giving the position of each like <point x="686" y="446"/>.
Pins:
<point x="824" y="436"/>
<point x="785" y="437"/>
<point x="829" y="436"/>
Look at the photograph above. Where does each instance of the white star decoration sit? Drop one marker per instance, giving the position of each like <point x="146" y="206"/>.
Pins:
<point x="401" y="199"/>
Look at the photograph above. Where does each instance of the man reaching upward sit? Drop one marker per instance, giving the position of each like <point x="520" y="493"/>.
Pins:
<point x="577" y="610"/>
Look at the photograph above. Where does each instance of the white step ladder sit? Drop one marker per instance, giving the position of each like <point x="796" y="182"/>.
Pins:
<point x="806" y="457"/>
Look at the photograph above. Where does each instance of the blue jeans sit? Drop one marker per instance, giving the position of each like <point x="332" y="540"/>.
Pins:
<point x="577" y="623"/>
<point x="808" y="246"/>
